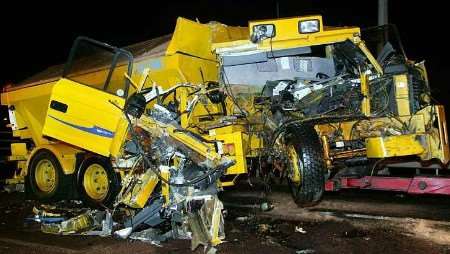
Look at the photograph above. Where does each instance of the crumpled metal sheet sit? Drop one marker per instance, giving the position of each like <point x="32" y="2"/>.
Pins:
<point x="207" y="224"/>
<point x="81" y="223"/>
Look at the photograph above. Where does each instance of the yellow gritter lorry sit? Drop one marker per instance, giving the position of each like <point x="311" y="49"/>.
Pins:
<point x="175" y="119"/>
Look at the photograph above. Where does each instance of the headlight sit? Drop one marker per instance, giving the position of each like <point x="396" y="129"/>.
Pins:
<point x="261" y="32"/>
<point x="309" y="26"/>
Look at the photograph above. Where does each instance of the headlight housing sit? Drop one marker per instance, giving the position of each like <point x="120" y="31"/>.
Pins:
<point x="309" y="26"/>
<point x="261" y="32"/>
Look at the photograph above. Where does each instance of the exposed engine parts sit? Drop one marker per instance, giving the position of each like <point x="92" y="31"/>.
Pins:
<point x="183" y="166"/>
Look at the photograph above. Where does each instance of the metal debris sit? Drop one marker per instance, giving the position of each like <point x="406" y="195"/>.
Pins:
<point x="263" y="228"/>
<point x="150" y="235"/>
<point x="14" y="187"/>
<point x="207" y="224"/>
<point x="242" y="218"/>
<point x="266" y="206"/>
<point x="81" y="223"/>
<point x="49" y="220"/>
<point x="212" y="250"/>
<point x="106" y="226"/>
<point x="305" y="251"/>
<point x="300" y="230"/>
<point x="44" y="213"/>
<point x="123" y="233"/>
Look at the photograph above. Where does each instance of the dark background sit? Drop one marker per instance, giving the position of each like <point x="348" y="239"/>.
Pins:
<point x="36" y="35"/>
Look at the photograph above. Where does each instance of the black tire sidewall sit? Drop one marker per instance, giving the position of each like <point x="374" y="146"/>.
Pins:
<point x="310" y="154"/>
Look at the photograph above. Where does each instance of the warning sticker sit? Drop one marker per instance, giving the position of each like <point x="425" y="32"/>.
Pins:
<point x="284" y="62"/>
<point x="305" y="65"/>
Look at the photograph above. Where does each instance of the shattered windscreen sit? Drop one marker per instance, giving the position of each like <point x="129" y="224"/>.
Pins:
<point x="316" y="80"/>
<point x="382" y="40"/>
<point x="99" y="65"/>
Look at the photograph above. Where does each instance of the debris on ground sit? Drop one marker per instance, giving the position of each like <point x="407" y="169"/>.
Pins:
<point x="266" y="206"/>
<point x="305" y="251"/>
<point x="242" y="218"/>
<point x="14" y="187"/>
<point x="263" y="228"/>
<point x="44" y="213"/>
<point x="323" y="235"/>
<point x="150" y="235"/>
<point x="300" y="230"/>
<point x="79" y="224"/>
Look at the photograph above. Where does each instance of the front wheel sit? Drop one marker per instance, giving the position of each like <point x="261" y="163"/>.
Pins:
<point x="306" y="167"/>
<point x="98" y="184"/>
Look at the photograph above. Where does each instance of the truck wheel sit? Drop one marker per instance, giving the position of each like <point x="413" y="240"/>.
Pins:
<point x="98" y="184"/>
<point x="306" y="167"/>
<point x="46" y="180"/>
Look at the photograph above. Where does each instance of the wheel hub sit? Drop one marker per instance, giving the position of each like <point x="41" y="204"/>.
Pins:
<point x="294" y="168"/>
<point x="95" y="182"/>
<point x="45" y="176"/>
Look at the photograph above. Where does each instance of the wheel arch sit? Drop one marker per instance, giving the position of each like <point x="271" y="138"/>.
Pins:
<point x="65" y="154"/>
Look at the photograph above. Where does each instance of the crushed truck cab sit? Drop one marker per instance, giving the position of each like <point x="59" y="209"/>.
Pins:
<point x="337" y="103"/>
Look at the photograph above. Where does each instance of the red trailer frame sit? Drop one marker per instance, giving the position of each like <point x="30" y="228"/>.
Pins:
<point x="414" y="185"/>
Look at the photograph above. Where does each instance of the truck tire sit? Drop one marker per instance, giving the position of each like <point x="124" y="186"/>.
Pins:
<point x="97" y="182"/>
<point x="308" y="159"/>
<point x="46" y="180"/>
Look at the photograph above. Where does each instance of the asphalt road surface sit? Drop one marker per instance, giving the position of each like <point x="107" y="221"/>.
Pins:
<point x="348" y="222"/>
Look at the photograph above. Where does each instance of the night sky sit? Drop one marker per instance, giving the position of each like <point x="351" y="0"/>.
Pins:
<point x="36" y="35"/>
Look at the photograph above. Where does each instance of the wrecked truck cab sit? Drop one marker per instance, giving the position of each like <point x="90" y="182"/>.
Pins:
<point x="328" y="109"/>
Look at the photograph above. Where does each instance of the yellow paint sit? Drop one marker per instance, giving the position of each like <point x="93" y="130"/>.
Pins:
<point x="45" y="176"/>
<point x="393" y="146"/>
<point x="65" y="154"/>
<point x="193" y="38"/>
<point x="402" y="94"/>
<point x="367" y="53"/>
<point x="87" y="107"/>
<point x="18" y="152"/>
<point x="288" y="35"/>
<point x="365" y="104"/>
<point x="165" y="191"/>
<point x="294" y="167"/>
<point x="120" y="135"/>
<point x="444" y="149"/>
<point x="30" y="106"/>
<point x="139" y="195"/>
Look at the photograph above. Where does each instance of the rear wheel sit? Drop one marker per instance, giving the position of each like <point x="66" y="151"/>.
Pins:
<point x="306" y="168"/>
<point x="46" y="180"/>
<point x="98" y="184"/>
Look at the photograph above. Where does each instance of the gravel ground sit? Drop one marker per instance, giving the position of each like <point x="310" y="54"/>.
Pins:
<point x="351" y="222"/>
